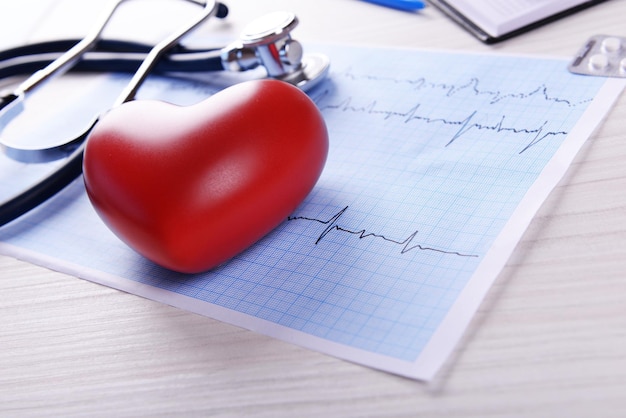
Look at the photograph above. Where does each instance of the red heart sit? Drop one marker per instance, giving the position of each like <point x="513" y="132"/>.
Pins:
<point x="190" y="187"/>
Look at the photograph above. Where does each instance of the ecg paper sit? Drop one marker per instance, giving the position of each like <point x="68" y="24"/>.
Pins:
<point x="438" y="162"/>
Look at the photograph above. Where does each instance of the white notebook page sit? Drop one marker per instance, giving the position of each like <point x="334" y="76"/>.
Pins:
<point x="497" y="17"/>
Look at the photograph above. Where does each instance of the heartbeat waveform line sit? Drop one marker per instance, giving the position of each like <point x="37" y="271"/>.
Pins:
<point x="465" y="125"/>
<point x="472" y="85"/>
<point x="407" y="243"/>
<point x="499" y="127"/>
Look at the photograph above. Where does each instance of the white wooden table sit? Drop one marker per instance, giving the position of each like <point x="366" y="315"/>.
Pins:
<point x="549" y="340"/>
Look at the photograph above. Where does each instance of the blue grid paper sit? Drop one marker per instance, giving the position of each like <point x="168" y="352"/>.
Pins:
<point x="430" y="155"/>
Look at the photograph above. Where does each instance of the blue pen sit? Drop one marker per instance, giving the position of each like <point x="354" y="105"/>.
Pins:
<point x="408" y="5"/>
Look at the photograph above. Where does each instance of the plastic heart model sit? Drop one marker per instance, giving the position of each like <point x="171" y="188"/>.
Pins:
<point x="190" y="187"/>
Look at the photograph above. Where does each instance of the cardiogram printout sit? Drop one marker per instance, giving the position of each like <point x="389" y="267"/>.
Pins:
<point x="438" y="162"/>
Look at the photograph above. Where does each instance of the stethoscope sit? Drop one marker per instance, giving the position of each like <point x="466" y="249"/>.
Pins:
<point x="266" y="42"/>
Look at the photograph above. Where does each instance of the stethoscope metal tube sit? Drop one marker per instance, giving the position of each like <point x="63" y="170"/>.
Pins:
<point x="211" y="8"/>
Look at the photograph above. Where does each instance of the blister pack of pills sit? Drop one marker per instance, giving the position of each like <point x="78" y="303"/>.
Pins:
<point x="602" y="55"/>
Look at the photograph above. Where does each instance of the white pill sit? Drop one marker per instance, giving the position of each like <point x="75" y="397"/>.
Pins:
<point x="611" y="45"/>
<point x="598" y="62"/>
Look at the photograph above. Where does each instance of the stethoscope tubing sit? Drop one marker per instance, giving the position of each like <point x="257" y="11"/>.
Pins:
<point x="108" y="56"/>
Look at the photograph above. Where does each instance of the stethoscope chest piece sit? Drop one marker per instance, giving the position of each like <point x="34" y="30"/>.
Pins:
<point x="267" y="42"/>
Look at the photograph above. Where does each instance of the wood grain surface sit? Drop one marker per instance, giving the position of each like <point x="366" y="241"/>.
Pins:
<point x="548" y="341"/>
